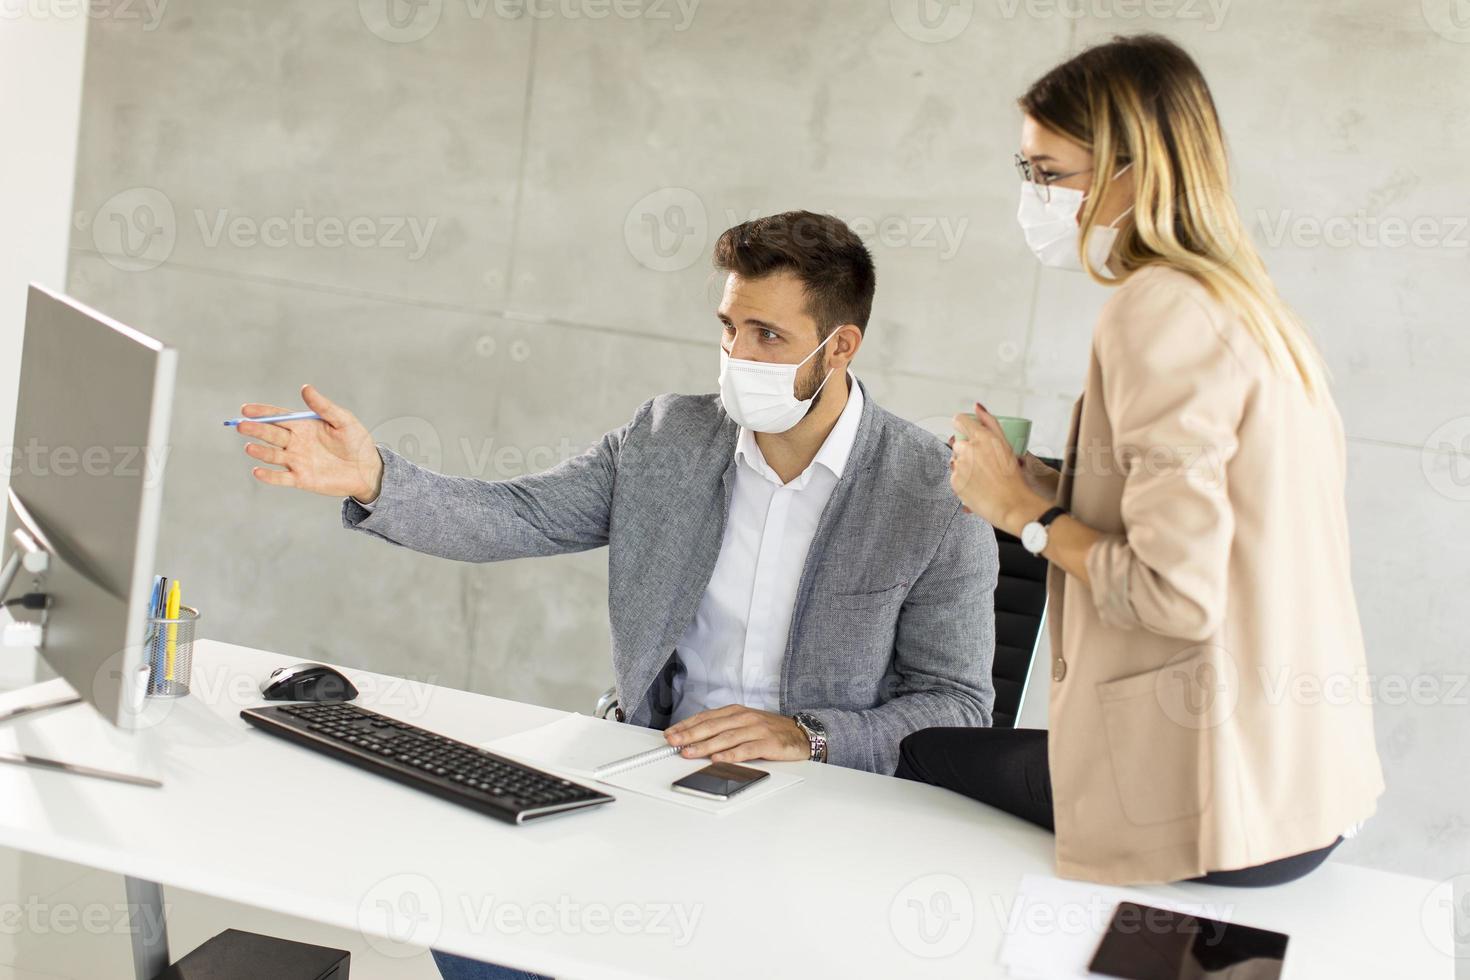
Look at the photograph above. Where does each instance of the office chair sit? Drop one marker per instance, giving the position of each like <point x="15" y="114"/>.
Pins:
<point x="1020" y="614"/>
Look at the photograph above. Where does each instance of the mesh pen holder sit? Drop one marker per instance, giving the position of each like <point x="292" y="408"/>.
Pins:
<point x="170" y="652"/>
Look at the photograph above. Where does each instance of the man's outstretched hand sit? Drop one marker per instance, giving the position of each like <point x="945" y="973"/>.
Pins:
<point x="335" y="456"/>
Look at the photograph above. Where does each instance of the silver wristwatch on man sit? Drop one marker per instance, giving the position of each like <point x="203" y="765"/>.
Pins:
<point x="816" y="734"/>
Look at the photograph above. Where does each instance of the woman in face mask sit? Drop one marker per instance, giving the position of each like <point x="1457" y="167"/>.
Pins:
<point x="1197" y="533"/>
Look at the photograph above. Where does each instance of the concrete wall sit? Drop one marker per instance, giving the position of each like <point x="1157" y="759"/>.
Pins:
<point x="253" y="174"/>
<point x="41" y="76"/>
<point x="41" y="58"/>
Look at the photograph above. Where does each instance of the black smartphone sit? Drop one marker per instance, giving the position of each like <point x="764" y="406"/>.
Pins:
<point x="719" y="780"/>
<point x="1147" y="943"/>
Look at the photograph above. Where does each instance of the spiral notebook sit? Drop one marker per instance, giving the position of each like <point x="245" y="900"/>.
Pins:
<point x="630" y="758"/>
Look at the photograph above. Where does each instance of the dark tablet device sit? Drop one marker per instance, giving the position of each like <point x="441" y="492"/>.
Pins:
<point x="1146" y="943"/>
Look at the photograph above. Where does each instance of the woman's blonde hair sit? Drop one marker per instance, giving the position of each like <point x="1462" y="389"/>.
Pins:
<point x="1141" y="100"/>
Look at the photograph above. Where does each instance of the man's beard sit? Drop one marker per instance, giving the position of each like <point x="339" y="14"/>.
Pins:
<point x="806" y="387"/>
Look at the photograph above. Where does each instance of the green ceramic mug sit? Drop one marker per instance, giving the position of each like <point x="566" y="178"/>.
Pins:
<point x="1017" y="431"/>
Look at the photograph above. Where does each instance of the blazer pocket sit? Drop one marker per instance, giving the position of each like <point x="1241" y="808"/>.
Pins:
<point x="863" y="600"/>
<point x="1158" y="741"/>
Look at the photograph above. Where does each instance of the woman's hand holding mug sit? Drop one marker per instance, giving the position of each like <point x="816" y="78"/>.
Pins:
<point x="987" y="477"/>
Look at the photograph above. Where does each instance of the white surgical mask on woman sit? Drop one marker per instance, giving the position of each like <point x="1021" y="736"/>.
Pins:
<point x="1052" y="231"/>
<point x="762" y="396"/>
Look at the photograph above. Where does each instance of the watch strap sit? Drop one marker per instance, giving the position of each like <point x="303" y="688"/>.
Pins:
<point x="1045" y="519"/>
<point x="816" y="735"/>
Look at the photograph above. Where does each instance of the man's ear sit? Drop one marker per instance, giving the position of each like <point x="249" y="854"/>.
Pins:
<point x="849" y="338"/>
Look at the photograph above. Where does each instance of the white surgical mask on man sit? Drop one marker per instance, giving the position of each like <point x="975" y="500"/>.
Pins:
<point x="762" y="396"/>
<point x="1052" y="231"/>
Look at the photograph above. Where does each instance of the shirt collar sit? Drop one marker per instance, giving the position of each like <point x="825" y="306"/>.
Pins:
<point x="835" y="449"/>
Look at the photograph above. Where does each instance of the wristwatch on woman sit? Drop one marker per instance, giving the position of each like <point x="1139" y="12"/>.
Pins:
<point x="816" y="734"/>
<point x="1034" y="536"/>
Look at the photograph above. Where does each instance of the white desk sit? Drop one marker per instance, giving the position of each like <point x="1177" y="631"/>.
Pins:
<point x="809" y="884"/>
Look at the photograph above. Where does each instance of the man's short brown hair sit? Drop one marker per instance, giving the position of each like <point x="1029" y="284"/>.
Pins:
<point x="833" y="264"/>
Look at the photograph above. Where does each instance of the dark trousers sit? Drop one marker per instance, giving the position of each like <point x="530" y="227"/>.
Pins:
<point x="1007" y="768"/>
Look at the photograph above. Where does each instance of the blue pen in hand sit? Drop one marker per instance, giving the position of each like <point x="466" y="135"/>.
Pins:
<point x="267" y="419"/>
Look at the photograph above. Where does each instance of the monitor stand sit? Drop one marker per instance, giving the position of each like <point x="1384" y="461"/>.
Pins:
<point x="34" y="558"/>
<point x="26" y="709"/>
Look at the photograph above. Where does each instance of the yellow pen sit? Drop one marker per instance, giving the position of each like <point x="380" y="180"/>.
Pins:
<point x="171" y="611"/>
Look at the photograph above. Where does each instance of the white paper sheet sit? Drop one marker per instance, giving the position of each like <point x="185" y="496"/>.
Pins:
<point x="575" y="745"/>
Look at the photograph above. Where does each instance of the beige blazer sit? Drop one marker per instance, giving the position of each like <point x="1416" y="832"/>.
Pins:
<point x="1209" y="704"/>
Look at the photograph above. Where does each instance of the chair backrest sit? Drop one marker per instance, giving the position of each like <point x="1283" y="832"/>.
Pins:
<point x="1020" y="612"/>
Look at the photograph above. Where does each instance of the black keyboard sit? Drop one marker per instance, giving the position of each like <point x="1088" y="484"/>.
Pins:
<point x="456" y="771"/>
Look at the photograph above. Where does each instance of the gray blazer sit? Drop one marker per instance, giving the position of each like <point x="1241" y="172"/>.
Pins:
<point x="894" y="624"/>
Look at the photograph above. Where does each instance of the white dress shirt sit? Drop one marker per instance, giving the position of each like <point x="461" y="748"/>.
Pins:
<point x="734" y="649"/>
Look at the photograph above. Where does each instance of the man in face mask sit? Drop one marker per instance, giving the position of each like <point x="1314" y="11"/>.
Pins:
<point x="789" y="575"/>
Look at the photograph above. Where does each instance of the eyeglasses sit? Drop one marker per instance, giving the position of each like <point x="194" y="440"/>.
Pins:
<point x="1042" y="181"/>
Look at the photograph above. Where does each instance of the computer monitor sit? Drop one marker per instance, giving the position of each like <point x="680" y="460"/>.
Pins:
<point x="86" y="487"/>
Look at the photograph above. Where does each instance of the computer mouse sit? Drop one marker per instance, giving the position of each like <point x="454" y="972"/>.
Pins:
<point x="307" y="682"/>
